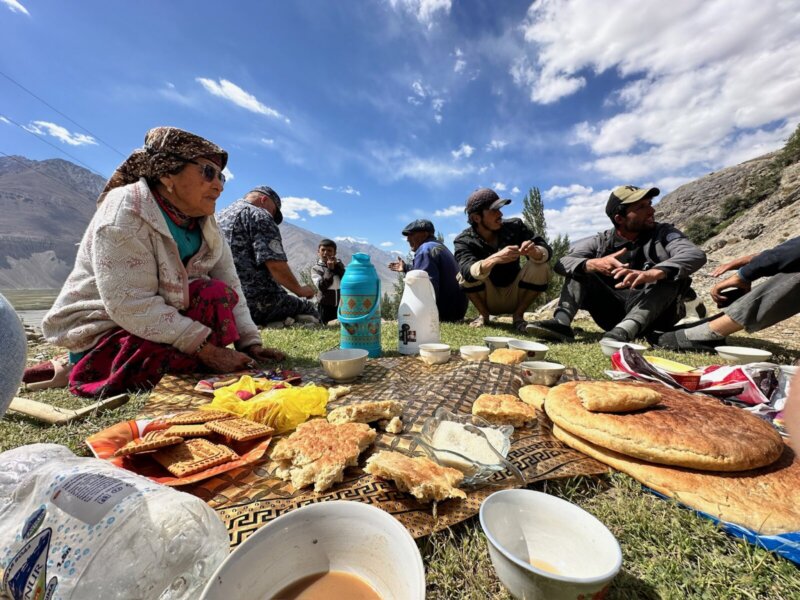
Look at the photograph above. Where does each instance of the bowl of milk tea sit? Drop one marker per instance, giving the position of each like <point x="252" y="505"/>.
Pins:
<point x="545" y="548"/>
<point x="336" y="550"/>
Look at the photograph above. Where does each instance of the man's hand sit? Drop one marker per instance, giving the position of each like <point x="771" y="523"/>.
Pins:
<point x="261" y="354"/>
<point x="305" y="291"/>
<point x="531" y="250"/>
<point x="224" y="360"/>
<point x="734" y="281"/>
<point x="733" y="265"/>
<point x="506" y="255"/>
<point x="331" y="263"/>
<point x="607" y="265"/>
<point x="631" y="278"/>
<point x="398" y="265"/>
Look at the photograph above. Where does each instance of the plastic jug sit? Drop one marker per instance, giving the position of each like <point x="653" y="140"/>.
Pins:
<point x="360" y="306"/>
<point x="417" y="316"/>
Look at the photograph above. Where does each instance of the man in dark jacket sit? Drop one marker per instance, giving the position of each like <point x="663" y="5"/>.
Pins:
<point x="488" y="254"/>
<point x="759" y="308"/>
<point x="433" y="257"/>
<point x="327" y="276"/>
<point x="631" y="278"/>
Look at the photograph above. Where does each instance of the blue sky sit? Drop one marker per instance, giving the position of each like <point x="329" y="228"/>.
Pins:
<point x="364" y="115"/>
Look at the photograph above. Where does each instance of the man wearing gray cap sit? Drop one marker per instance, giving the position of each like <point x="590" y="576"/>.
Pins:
<point x="488" y="254"/>
<point x="632" y="278"/>
<point x="433" y="257"/>
<point x="250" y="226"/>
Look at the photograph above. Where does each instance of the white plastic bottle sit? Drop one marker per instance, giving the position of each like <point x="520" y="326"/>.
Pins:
<point x="417" y="315"/>
<point x="75" y="528"/>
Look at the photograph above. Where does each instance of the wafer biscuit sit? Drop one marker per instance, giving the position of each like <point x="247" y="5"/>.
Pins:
<point x="419" y="476"/>
<point x="193" y="430"/>
<point x="503" y="409"/>
<point x="148" y="442"/>
<point x="192" y="456"/>
<point x="197" y="416"/>
<point x="240" y="430"/>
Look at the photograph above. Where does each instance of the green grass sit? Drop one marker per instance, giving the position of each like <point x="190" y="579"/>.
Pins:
<point x="668" y="552"/>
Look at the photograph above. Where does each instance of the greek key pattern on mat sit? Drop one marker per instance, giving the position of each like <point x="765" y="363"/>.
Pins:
<point x="247" y="498"/>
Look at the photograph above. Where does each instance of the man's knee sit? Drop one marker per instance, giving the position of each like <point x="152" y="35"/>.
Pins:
<point x="535" y="276"/>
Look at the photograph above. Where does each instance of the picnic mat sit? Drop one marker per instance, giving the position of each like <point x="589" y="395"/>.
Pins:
<point x="247" y="498"/>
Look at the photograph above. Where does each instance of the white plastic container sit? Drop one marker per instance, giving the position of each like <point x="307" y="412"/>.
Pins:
<point x="417" y="316"/>
<point x="75" y="528"/>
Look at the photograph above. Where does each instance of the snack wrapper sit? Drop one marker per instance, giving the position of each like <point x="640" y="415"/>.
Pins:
<point x="277" y="404"/>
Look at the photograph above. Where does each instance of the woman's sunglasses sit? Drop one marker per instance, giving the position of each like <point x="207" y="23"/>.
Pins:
<point x="209" y="172"/>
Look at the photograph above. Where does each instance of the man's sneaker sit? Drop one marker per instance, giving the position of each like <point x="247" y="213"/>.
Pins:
<point x="618" y="334"/>
<point x="551" y="329"/>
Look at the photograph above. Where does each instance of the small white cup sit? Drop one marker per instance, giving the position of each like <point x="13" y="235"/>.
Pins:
<point x="495" y="342"/>
<point x="434" y="354"/>
<point x="474" y="353"/>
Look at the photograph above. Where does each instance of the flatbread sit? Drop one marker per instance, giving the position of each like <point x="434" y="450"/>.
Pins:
<point x="508" y="356"/>
<point x="683" y="430"/>
<point x="318" y="452"/>
<point x="419" y="476"/>
<point x="503" y="409"/>
<point x="611" y="396"/>
<point x="766" y="500"/>
<point x="366" y="412"/>
<point x="534" y="395"/>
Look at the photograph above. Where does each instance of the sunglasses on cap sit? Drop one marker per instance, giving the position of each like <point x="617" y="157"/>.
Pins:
<point x="209" y="172"/>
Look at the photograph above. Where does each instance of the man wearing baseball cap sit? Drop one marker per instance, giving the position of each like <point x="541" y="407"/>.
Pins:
<point x="632" y="278"/>
<point x="489" y="254"/>
<point x="250" y="226"/>
<point x="433" y="257"/>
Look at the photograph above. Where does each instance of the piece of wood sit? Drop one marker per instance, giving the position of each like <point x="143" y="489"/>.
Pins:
<point x="54" y="415"/>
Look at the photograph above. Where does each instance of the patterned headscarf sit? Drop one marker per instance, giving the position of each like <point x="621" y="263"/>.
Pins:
<point x="165" y="150"/>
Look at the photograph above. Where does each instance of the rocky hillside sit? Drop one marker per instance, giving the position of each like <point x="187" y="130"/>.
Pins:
<point x="46" y="205"/>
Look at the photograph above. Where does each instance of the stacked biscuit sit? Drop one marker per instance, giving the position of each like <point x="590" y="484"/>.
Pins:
<point x="715" y="458"/>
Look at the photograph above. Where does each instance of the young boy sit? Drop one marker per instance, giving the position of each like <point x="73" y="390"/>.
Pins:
<point x="327" y="276"/>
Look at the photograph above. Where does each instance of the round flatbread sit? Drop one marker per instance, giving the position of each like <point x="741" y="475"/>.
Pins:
<point x="683" y="430"/>
<point x="610" y="396"/>
<point x="534" y="395"/>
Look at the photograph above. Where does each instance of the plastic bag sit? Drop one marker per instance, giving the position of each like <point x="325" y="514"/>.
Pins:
<point x="77" y="528"/>
<point x="282" y="408"/>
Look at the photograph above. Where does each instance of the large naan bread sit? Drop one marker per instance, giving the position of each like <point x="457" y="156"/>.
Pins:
<point x="766" y="500"/>
<point x="682" y="430"/>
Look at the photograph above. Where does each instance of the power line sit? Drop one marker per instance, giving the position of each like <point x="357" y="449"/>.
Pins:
<point x="41" y="139"/>
<point x="95" y="136"/>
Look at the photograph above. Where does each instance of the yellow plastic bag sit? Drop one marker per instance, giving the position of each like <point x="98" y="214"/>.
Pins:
<point x="282" y="409"/>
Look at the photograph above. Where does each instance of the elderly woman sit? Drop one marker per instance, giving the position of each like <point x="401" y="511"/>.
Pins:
<point x="154" y="289"/>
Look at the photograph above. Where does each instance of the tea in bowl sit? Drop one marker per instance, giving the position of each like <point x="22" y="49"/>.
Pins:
<point x="545" y="548"/>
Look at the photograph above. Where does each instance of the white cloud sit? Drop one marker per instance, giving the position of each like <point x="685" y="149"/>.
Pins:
<point x="496" y="145"/>
<point x="558" y="191"/>
<point x="60" y="133"/>
<point x="229" y="176"/>
<point x="387" y="244"/>
<point x="582" y="214"/>
<point x="327" y="187"/>
<point x="464" y="151"/>
<point x="4" y="120"/>
<point x="352" y="240"/>
<point x="419" y="89"/>
<point x="348" y="189"/>
<point x="459" y="65"/>
<point x="499" y="186"/>
<point x="450" y="211"/>
<point x="702" y="88"/>
<point x="291" y="207"/>
<point x="15" y="6"/>
<point x="424" y="10"/>
<point x="398" y="163"/>
<point x="515" y="190"/>
<point x="438" y="105"/>
<point x="268" y="141"/>
<point x="232" y="92"/>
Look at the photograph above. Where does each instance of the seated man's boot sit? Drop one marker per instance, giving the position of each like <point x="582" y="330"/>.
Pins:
<point x="618" y="334"/>
<point x="677" y="340"/>
<point x="550" y="329"/>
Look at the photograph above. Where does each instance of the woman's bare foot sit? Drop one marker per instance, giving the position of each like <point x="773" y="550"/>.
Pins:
<point x="478" y="321"/>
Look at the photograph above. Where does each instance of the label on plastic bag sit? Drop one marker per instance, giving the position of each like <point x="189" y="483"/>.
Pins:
<point x="88" y="497"/>
<point x="26" y="575"/>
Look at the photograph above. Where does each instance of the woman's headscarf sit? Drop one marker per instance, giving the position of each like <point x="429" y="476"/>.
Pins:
<point x="165" y="150"/>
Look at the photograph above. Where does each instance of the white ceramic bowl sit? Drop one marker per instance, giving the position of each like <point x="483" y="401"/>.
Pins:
<point x="338" y="535"/>
<point x="344" y="365"/>
<point x="434" y="354"/>
<point x="535" y="350"/>
<point x="609" y="347"/>
<point x="524" y="525"/>
<point x="474" y="352"/>
<point x="740" y="355"/>
<point x="495" y="342"/>
<point x="539" y="372"/>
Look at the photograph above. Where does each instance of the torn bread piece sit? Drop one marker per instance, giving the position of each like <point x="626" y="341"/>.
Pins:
<point x="366" y="412"/>
<point x="503" y="409"/>
<point x="534" y="395"/>
<point x="508" y="356"/>
<point x="419" y="476"/>
<point x="395" y="425"/>
<point x="318" y="452"/>
<point x="338" y="391"/>
<point x="610" y="396"/>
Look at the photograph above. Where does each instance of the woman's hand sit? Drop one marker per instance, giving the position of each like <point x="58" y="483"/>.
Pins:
<point x="224" y="360"/>
<point x="261" y="354"/>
